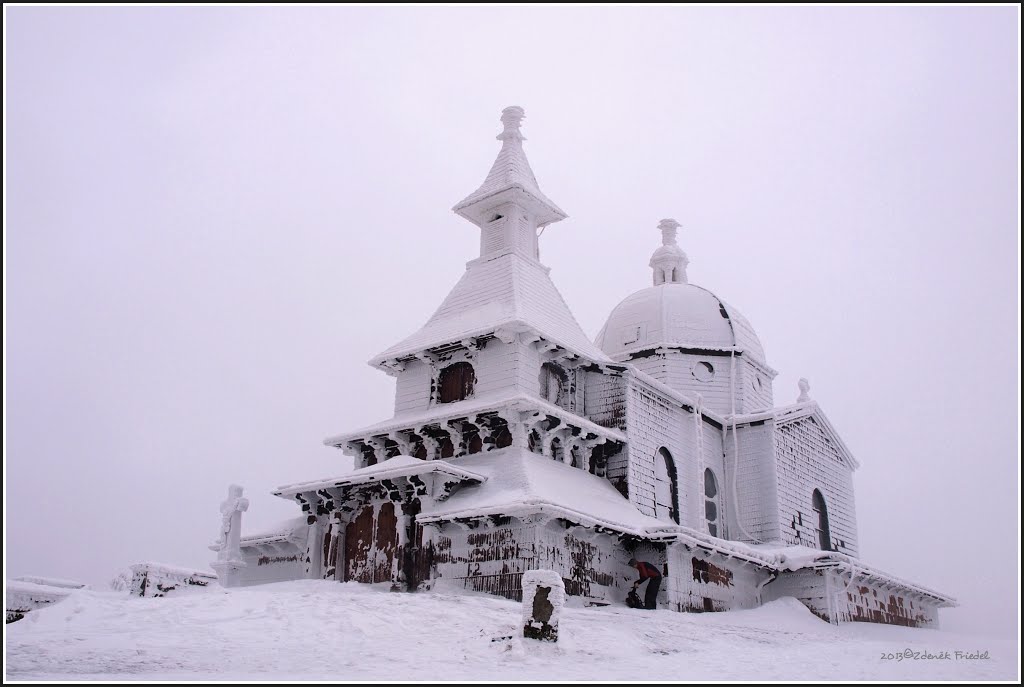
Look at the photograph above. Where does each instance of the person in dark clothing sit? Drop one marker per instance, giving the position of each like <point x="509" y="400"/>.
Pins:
<point x="650" y="574"/>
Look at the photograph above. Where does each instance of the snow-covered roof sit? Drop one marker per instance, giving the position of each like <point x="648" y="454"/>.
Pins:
<point x="292" y="528"/>
<point x="524" y="482"/>
<point x="677" y="314"/>
<point x="800" y="557"/>
<point x="25" y="596"/>
<point x="511" y="172"/>
<point x="470" y="407"/>
<point x="51" y="582"/>
<point x="392" y="468"/>
<point x="508" y="292"/>
<point x="783" y="415"/>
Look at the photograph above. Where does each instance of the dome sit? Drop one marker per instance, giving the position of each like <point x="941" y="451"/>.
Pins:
<point x="677" y="314"/>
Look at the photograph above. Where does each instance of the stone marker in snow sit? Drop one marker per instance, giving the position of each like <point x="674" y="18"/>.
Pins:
<point x="228" y="547"/>
<point x="543" y="598"/>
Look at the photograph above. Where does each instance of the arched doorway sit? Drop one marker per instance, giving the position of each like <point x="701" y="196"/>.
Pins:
<point x="666" y="497"/>
<point x="711" y="503"/>
<point x="824" y="536"/>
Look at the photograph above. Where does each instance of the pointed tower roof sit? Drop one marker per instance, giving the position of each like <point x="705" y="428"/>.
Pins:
<point x="506" y="294"/>
<point x="510" y="178"/>
<point x="506" y="291"/>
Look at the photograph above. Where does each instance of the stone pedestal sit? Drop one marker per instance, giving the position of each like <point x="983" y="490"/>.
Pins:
<point x="228" y="572"/>
<point x="543" y="598"/>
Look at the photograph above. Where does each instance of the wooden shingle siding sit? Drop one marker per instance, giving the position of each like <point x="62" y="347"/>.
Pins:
<point x="412" y="387"/>
<point x="675" y="369"/>
<point x="493" y="559"/>
<point x="751" y="484"/>
<point x="807" y="460"/>
<point x="699" y="582"/>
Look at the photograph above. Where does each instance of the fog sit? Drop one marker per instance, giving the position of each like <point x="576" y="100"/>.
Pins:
<point x="215" y="216"/>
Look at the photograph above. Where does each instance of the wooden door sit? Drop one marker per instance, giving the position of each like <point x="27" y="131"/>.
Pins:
<point x="421" y="559"/>
<point x="371" y="540"/>
<point x="385" y="542"/>
<point x="358" y="546"/>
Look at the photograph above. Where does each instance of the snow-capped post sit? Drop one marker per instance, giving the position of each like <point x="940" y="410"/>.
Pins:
<point x="805" y="388"/>
<point x="543" y="598"/>
<point x="228" y="546"/>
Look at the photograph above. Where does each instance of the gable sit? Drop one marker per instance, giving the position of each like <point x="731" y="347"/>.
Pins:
<point x="804" y="428"/>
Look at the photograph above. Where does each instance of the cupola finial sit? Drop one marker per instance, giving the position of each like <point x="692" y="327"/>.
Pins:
<point x="669" y="261"/>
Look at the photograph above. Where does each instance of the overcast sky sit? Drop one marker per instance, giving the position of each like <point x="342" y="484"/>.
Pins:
<point x="215" y="216"/>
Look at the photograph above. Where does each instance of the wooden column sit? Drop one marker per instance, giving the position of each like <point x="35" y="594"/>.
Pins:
<point x="314" y="548"/>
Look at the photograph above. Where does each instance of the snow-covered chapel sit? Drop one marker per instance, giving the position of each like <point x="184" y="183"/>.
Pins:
<point x="519" y="443"/>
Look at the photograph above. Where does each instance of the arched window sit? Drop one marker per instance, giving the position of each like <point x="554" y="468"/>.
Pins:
<point x="666" y="497"/>
<point x="552" y="383"/>
<point x="456" y="383"/>
<point x="711" y="508"/>
<point x="824" y="536"/>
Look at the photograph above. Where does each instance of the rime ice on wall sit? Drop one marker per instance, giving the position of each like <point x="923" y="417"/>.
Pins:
<point x="751" y="483"/>
<point x="275" y="555"/>
<point x="699" y="581"/>
<point x="494" y="560"/>
<point x="808" y="459"/>
<point x="755" y="383"/>
<point x="605" y="403"/>
<point x="655" y="423"/>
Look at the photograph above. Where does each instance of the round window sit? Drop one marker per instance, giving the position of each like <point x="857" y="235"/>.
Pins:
<point x="704" y="371"/>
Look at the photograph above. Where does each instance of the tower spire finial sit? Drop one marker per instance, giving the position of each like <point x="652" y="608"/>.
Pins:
<point x="509" y="206"/>
<point x="512" y="118"/>
<point x="669" y="261"/>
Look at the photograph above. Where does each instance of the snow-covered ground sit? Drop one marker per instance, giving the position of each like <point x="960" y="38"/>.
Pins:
<point x="330" y="631"/>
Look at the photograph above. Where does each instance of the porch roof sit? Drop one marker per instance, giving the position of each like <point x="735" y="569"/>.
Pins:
<point x="392" y="468"/>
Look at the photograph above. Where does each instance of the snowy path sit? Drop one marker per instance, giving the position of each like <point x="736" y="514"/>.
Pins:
<point x="330" y="631"/>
